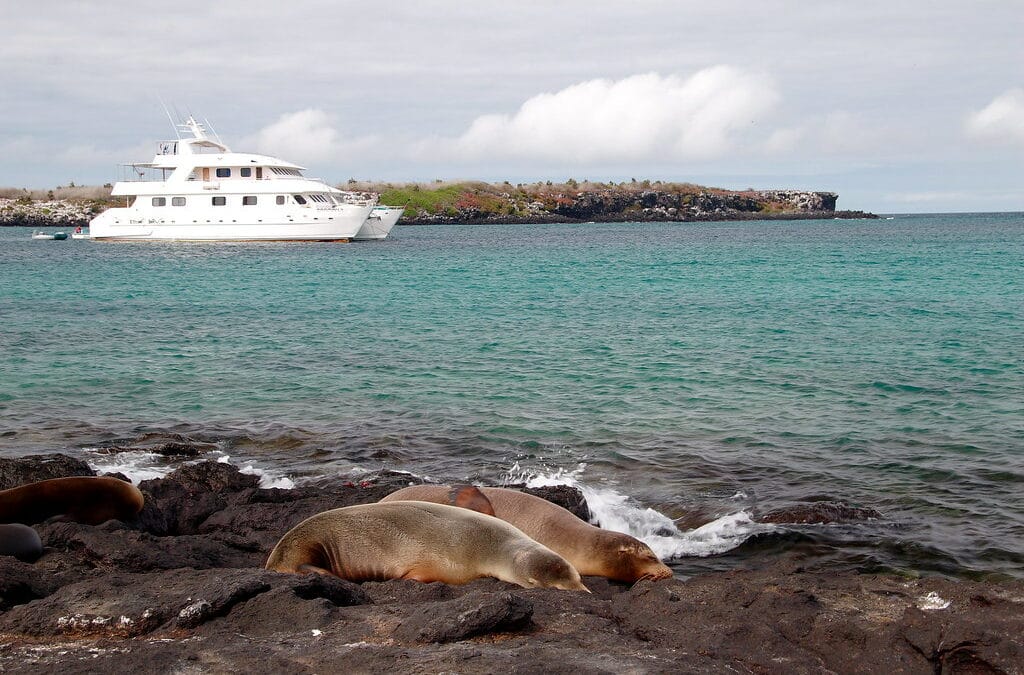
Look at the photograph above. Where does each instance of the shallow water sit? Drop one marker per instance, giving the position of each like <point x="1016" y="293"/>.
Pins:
<point x="708" y="371"/>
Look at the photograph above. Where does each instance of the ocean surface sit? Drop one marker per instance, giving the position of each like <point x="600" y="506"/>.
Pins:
<point x="688" y="377"/>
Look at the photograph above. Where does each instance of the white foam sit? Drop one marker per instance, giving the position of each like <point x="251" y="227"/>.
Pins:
<point x="137" y="465"/>
<point x="932" y="601"/>
<point x="618" y="512"/>
<point x="268" y="477"/>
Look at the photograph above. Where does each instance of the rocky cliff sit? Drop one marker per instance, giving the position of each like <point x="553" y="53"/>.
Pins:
<point x="574" y="202"/>
<point x="475" y="202"/>
<point x="25" y="212"/>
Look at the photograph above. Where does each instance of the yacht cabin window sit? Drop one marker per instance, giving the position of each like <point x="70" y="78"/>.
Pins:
<point x="159" y="201"/>
<point x="177" y="201"/>
<point x="220" y="201"/>
<point x="280" y="200"/>
<point x="223" y="173"/>
<point x="245" y="172"/>
<point x="249" y="201"/>
<point x="299" y="199"/>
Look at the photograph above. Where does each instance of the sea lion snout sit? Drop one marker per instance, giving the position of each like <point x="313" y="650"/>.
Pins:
<point x="637" y="562"/>
<point x="543" y="568"/>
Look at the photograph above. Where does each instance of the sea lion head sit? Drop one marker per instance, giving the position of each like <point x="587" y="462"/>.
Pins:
<point x="540" y="567"/>
<point x="629" y="559"/>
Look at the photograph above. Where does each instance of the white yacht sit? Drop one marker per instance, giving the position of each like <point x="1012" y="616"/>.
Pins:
<point x="196" y="189"/>
<point x="379" y="223"/>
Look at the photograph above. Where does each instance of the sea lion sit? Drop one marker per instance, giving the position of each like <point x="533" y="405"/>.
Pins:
<point x="421" y="541"/>
<point x="84" y="499"/>
<point x="591" y="550"/>
<point x="20" y="541"/>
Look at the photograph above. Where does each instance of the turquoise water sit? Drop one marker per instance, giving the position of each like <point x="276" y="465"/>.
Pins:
<point x="699" y="368"/>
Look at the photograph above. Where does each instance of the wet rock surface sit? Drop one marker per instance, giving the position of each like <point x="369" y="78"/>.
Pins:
<point x="182" y="589"/>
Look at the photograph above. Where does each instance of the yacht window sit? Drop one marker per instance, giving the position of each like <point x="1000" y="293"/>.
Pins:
<point x="282" y="171"/>
<point x="220" y="201"/>
<point x="223" y="173"/>
<point x="245" y="172"/>
<point x="280" y="200"/>
<point x="248" y="201"/>
<point x="177" y="201"/>
<point x="159" y="201"/>
<point x="300" y="199"/>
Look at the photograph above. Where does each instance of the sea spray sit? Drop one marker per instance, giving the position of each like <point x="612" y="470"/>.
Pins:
<point x="139" y="465"/>
<point x="136" y="465"/>
<point x="615" y="511"/>
<point x="268" y="477"/>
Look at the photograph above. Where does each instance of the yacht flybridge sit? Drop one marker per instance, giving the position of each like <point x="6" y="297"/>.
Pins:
<point x="204" y="192"/>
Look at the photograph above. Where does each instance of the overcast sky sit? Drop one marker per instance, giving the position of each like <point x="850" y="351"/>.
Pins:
<point x="897" y="105"/>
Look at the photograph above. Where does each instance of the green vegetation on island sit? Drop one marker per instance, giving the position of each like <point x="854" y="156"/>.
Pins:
<point x="573" y="201"/>
<point x="480" y="202"/>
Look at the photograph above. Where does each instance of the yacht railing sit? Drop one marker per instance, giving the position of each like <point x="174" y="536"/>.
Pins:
<point x="134" y="173"/>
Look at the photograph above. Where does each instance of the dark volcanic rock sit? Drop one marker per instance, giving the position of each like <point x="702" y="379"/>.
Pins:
<point x="178" y="503"/>
<point x="566" y="496"/>
<point x="468" y="616"/>
<point x="165" y="444"/>
<point x="22" y="470"/>
<point x="182" y="590"/>
<point x="125" y="605"/>
<point x="21" y="582"/>
<point x="115" y="547"/>
<point x="822" y="512"/>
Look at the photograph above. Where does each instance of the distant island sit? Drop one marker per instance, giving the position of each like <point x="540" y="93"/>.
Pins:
<point x="474" y="202"/>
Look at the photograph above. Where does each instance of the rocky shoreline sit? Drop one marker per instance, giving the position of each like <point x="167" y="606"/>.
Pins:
<point x="181" y="589"/>
<point x="495" y="204"/>
<point x="48" y="213"/>
<point x="482" y="203"/>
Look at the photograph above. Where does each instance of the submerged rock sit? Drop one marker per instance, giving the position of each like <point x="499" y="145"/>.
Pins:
<point x="819" y="512"/>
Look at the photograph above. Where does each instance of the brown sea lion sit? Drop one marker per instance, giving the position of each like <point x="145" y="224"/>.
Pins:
<point x="421" y="541"/>
<point x="20" y="541"/>
<point x="84" y="499"/>
<point x="591" y="550"/>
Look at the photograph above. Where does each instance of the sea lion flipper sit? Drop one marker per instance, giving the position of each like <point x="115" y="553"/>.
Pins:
<point x="306" y="568"/>
<point x="470" y="497"/>
<point x="422" y="573"/>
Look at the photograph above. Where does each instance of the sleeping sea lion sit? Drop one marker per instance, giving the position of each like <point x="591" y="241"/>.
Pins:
<point x="421" y="541"/>
<point x="591" y="550"/>
<point x="84" y="499"/>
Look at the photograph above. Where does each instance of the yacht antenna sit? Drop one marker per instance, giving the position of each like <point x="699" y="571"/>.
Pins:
<point x="171" y="119"/>
<point x="215" y="134"/>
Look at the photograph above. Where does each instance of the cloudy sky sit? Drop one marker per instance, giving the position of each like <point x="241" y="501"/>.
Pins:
<point x="898" y="105"/>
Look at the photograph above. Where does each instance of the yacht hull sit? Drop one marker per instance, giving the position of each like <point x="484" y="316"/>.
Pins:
<point x="121" y="224"/>
<point x="379" y="223"/>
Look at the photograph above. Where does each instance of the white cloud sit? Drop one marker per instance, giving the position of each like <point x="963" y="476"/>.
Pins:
<point x="782" y="141"/>
<point x="641" y="117"/>
<point x="1000" y="120"/>
<point x="307" y="136"/>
